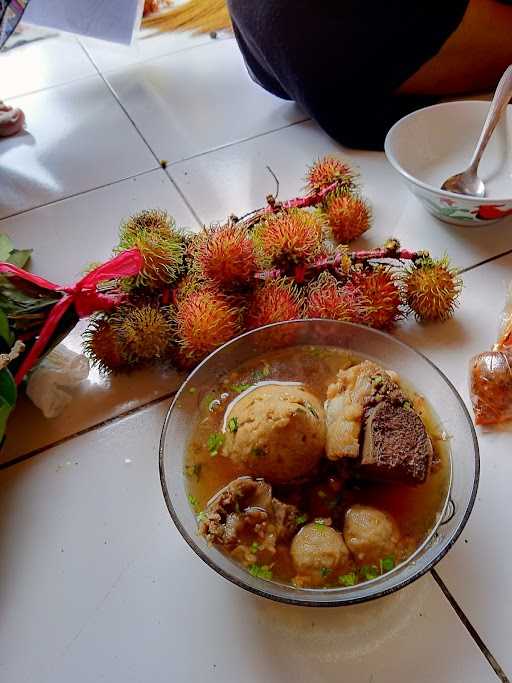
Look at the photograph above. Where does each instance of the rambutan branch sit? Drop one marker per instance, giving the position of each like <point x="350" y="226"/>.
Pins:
<point x="391" y="250"/>
<point x="312" y="199"/>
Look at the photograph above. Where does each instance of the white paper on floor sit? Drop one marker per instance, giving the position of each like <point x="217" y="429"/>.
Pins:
<point x="113" y="20"/>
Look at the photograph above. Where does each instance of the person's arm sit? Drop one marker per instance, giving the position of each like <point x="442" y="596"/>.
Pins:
<point x="474" y="56"/>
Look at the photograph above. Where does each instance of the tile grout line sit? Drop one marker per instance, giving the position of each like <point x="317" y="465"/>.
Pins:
<point x="487" y="260"/>
<point x="193" y="156"/>
<point x="146" y="59"/>
<point x="141" y="135"/>
<point x="470" y="629"/>
<point x="87" y="430"/>
<point x="79" y="194"/>
<point x="241" y="141"/>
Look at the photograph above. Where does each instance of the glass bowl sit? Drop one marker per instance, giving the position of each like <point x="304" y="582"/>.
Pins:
<point x="378" y="346"/>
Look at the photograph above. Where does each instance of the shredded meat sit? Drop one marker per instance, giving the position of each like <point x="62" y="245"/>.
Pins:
<point x="243" y="514"/>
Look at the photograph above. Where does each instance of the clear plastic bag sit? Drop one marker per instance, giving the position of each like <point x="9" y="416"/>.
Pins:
<point x="491" y="375"/>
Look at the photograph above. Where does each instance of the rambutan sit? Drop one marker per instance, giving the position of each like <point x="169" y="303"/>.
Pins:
<point x="378" y="296"/>
<point x="144" y="332"/>
<point x="431" y="288"/>
<point x="162" y="246"/>
<point x="291" y="236"/>
<point x="225" y="256"/>
<point x="188" y="284"/>
<point x="328" y="170"/>
<point x="275" y="301"/>
<point x="327" y="298"/>
<point x="204" y="320"/>
<point x="348" y="216"/>
<point x="101" y="344"/>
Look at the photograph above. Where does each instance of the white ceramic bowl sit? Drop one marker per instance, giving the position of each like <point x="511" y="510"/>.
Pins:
<point x="429" y="145"/>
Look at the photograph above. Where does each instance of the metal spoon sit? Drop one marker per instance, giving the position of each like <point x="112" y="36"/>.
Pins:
<point x="468" y="181"/>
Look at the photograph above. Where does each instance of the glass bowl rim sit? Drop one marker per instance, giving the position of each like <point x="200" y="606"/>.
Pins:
<point x="297" y="601"/>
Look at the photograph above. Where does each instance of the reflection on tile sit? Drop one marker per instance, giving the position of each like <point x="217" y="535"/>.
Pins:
<point x="96" y="400"/>
<point x="147" y="45"/>
<point x="476" y="571"/>
<point x="236" y="180"/>
<point x="37" y="59"/>
<point x="90" y="557"/>
<point x="74" y="232"/>
<point x="77" y="138"/>
<point x="194" y="101"/>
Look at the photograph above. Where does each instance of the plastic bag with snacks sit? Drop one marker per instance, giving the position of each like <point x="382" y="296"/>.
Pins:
<point x="491" y="375"/>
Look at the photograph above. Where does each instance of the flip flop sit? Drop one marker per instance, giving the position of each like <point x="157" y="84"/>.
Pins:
<point x="11" y="120"/>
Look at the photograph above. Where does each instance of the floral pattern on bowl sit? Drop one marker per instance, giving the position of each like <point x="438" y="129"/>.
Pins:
<point x="453" y="211"/>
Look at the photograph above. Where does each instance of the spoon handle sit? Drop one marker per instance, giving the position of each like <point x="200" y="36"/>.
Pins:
<point x="501" y="98"/>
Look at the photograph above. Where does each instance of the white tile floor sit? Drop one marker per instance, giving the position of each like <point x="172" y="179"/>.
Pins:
<point x="96" y="583"/>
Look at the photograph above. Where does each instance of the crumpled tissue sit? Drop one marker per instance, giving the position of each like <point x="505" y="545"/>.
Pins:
<point x="50" y="385"/>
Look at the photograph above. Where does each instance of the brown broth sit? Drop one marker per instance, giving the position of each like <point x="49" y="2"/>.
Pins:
<point x="416" y="509"/>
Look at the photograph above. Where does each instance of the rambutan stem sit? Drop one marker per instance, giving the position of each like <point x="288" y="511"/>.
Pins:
<point x="273" y="206"/>
<point x="301" y="271"/>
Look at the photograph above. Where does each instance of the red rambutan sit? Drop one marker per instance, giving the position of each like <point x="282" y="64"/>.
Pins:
<point x="327" y="298"/>
<point x="275" y="301"/>
<point x="226" y="256"/>
<point x="378" y="296"/>
<point x="204" y="320"/>
<point x="431" y="288"/>
<point x="328" y="170"/>
<point x="289" y="237"/>
<point x="348" y="216"/>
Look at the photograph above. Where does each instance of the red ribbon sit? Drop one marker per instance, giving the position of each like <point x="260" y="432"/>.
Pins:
<point x="83" y="295"/>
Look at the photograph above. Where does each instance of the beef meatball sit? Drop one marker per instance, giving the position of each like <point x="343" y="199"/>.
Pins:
<point x="370" y="534"/>
<point x="317" y="551"/>
<point x="276" y="431"/>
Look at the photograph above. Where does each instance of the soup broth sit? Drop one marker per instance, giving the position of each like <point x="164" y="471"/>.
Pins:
<point x="333" y="488"/>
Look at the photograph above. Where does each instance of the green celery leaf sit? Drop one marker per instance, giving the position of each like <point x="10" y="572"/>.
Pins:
<point x="8" y="391"/>
<point x="6" y="246"/>
<point x="19" y="257"/>
<point x="5" y="332"/>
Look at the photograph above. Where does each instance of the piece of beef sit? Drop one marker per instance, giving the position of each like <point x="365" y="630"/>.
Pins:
<point x="396" y="445"/>
<point x="347" y="399"/>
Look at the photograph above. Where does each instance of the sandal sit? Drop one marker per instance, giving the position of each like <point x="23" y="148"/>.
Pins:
<point x="11" y="120"/>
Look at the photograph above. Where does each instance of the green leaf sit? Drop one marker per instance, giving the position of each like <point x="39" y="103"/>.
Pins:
<point x="8" y="394"/>
<point x="5" y="411"/>
<point x="193" y="502"/>
<point x="19" y="257"/>
<point x="8" y="391"/>
<point x="214" y="443"/>
<point x="239" y="388"/>
<point x="233" y="424"/>
<point x="260" y="572"/>
<point x="301" y="519"/>
<point x="5" y="332"/>
<point x="369" y="572"/>
<point x="348" y="579"/>
<point x="387" y="564"/>
<point x="6" y="246"/>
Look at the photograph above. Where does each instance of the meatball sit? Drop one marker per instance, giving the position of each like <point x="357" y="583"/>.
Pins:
<point x="370" y="534"/>
<point x="317" y="550"/>
<point x="276" y="431"/>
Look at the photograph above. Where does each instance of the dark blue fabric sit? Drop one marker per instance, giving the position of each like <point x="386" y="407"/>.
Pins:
<point x="343" y="60"/>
